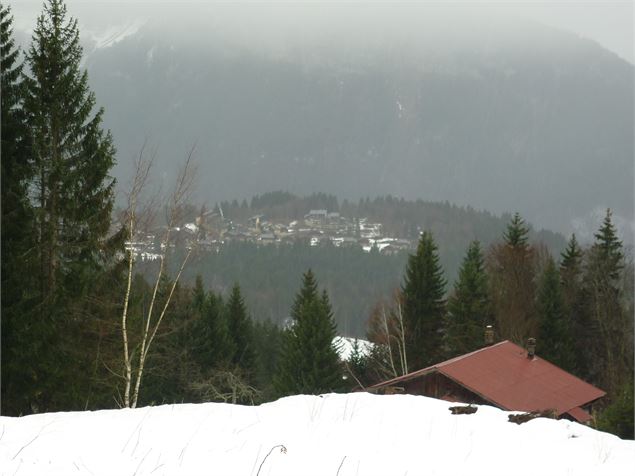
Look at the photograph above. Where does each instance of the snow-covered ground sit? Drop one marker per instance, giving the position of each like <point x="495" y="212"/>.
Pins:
<point x="329" y="435"/>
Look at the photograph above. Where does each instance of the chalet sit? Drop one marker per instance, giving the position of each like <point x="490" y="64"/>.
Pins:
<point x="344" y="241"/>
<point x="267" y="238"/>
<point x="503" y="375"/>
<point x="315" y="217"/>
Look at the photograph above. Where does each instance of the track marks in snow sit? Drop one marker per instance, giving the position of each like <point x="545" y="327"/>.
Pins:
<point x="31" y="442"/>
<point x="137" y="430"/>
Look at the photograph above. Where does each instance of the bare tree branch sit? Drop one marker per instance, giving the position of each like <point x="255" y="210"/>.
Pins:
<point x="138" y="216"/>
<point x="283" y="449"/>
<point x="143" y="166"/>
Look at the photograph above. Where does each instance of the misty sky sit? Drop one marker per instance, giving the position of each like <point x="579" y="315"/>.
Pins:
<point x="610" y="23"/>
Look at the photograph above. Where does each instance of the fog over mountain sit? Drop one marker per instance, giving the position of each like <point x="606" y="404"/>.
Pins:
<point x="466" y="104"/>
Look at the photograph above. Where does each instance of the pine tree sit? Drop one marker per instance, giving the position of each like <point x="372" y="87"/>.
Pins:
<point x="608" y="365"/>
<point x="424" y="305"/>
<point x="240" y="331"/>
<point x="15" y="166"/>
<point x="18" y="331"/>
<point x="571" y="272"/>
<point x="309" y="361"/>
<point x="571" y="258"/>
<point x="198" y="294"/>
<point x="468" y="306"/>
<point x="358" y="367"/>
<point x="516" y="235"/>
<point x="65" y="173"/>
<point x="555" y="342"/>
<point x="617" y="418"/>
<point x="511" y="270"/>
<point x="608" y="248"/>
<point x="72" y="156"/>
<point x="268" y="339"/>
<point x="571" y="267"/>
<point x="214" y="346"/>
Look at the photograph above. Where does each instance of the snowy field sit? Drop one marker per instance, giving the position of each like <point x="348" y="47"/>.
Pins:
<point x="329" y="435"/>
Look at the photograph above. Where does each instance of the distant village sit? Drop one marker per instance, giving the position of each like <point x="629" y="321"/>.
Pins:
<point x="211" y="230"/>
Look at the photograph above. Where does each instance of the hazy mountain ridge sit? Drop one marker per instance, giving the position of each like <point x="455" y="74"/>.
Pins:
<point x="501" y="117"/>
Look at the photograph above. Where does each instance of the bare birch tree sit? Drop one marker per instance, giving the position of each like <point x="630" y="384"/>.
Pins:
<point x="400" y="331"/>
<point x="387" y="331"/>
<point x="138" y="213"/>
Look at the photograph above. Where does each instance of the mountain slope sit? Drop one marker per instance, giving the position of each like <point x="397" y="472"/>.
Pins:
<point x="544" y="127"/>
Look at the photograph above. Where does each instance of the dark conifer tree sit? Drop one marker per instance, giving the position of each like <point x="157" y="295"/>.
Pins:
<point x="609" y="364"/>
<point x="571" y="273"/>
<point x="571" y="258"/>
<point x="555" y="342"/>
<point x="617" y="418"/>
<point x="214" y="345"/>
<point x="71" y="194"/>
<point x="16" y="170"/>
<point x="608" y="248"/>
<point x="516" y="235"/>
<point x="198" y="294"/>
<point x="72" y="156"/>
<point x="309" y="361"/>
<point x="240" y="331"/>
<point x="424" y="305"/>
<point x="268" y="342"/>
<point x="571" y="267"/>
<point x="19" y="333"/>
<point x="358" y="367"/>
<point x="511" y="269"/>
<point x="468" y="306"/>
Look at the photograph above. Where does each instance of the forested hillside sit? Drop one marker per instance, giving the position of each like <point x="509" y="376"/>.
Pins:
<point x="267" y="273"/>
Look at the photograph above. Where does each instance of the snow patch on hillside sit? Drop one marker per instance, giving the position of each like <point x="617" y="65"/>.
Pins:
<point x="345" y="346"/>
<point x="113" y="34"/>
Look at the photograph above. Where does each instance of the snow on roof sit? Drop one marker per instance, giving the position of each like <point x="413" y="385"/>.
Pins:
<point x="316" y="213"/>
<point x="347" y="434"/>
<point x="191" y="227"/>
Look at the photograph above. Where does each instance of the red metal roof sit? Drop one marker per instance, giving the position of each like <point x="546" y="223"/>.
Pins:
<point x="503" y="375"/>
<point x="579" y="414"/>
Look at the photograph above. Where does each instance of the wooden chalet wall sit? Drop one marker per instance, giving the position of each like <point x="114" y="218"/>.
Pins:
<point x="435" y="385"/>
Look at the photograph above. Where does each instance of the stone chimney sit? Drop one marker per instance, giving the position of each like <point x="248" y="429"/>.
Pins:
<point x="531" y="348"/>
<point x="489" y="335"/>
